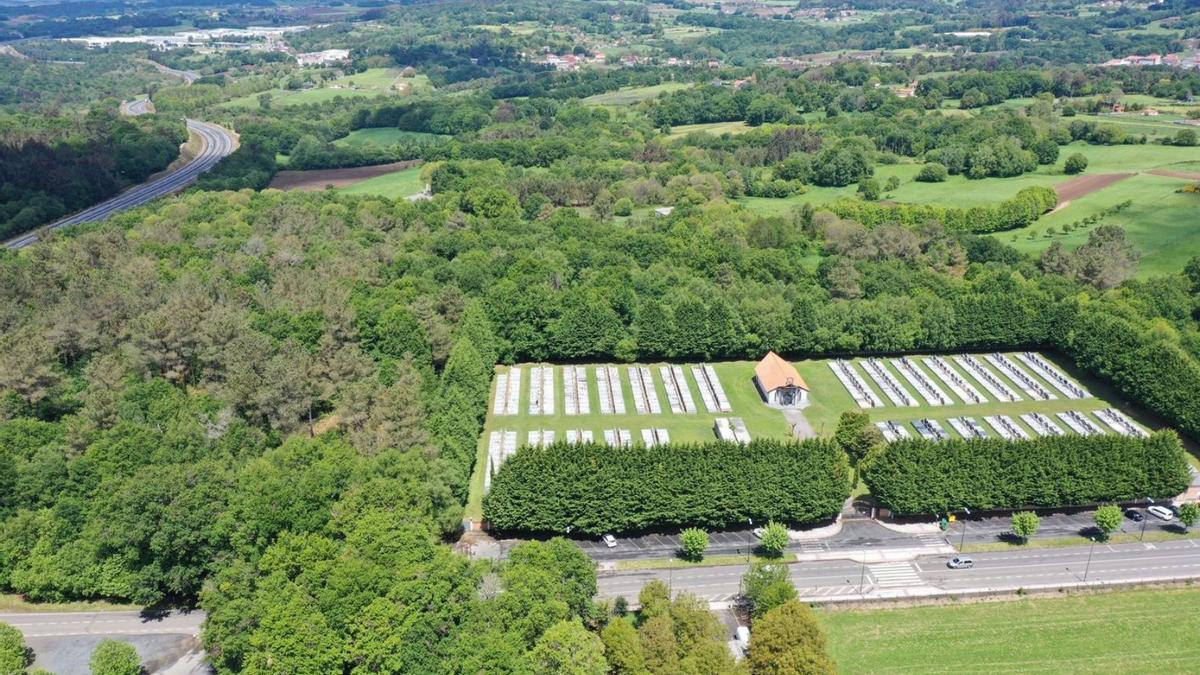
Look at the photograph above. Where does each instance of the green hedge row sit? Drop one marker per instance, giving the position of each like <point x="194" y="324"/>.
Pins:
<point x="595" y="488"/>
<point x="1022" y="209"/>
<point x="1140" y="363"/>
<point x="927" y="477"/>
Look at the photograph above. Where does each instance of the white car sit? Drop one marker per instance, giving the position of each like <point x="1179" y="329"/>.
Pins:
<point x="758" y="532"/>
<point x="609" y="541"/>
<point x="1161" y="512"/>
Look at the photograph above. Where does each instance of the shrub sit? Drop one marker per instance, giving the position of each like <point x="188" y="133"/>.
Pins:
<point x="695" y="543"/>
<point x="774" y="539"/>
<point x="1108" y="519"/>
<point x="14" y="654"/>
<point x="115" y="658"/>
<point x="1025" y="524"/>
<point x="932" y="172"/>
<point x="1075" y="164"/>
<point x="623" y="207"/>
<point x="921" y="476"/>
<point x="595" y="488"/>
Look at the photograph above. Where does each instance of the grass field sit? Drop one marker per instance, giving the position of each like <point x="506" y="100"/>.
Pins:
<point x="1160" y="223"/>
<point x="715" y="128"/>
<point x="393" y="185"/>
<point x="1133" y="631"/>
<point x="381" y="137"/>
<point x="632" y="95"/>
<point x="369" y="83"/>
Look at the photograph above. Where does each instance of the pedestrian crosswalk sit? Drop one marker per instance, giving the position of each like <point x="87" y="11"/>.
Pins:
<point x="931" y="539"/>
<point x="894" y="575"/>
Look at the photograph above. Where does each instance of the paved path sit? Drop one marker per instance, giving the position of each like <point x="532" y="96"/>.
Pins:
<point x="927" y="575"/>
<point x="216" y="143"/>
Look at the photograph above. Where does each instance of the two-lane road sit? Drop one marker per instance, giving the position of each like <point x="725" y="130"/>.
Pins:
<point x="830" y="580"/>
<point x="63" y="624"/>
<point x="216" y="143"/>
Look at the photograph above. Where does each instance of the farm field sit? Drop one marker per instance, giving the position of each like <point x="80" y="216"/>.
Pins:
<point x="634" y="95"/>
<point x="715" y="128"/>
<point x="1074" y="634"/>
<point x="369" y="83"/>
<point x="395" y="185"/>
<point x="381" y="137"/>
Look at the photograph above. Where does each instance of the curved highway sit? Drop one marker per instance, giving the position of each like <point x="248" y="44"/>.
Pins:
<point x="216" y="143"/>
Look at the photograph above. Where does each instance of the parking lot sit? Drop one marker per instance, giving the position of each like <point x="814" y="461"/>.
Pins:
<point x="1081" y="523"/>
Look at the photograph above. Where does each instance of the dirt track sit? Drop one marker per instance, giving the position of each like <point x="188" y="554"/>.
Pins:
<point x="312" y="181"/>
<point x="1187" y="175"/>
<point x="1084" y="185"/>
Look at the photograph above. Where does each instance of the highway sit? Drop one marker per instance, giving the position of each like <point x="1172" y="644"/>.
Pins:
<point x="927" y="575"/>
<point x="63" y="624"/>
<point x="138" y="106"/>
<point x="216" y="143"/>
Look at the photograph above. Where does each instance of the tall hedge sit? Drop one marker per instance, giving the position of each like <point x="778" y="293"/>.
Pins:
<point x="1140" y="363"/>
<point x="927" y="477"/>
<point x="594" y="488"/>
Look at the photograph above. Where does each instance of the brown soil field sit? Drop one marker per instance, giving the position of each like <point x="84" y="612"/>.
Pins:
<point x="1084" y="185"/>
<point x="319" y="179"/>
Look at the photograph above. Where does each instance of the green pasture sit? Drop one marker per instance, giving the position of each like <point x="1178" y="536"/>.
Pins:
<point x="369" y="83"/>
<point x="1120" y="632"/>
<point x="381" y="137"/>
<point x="393" y="185"/>
<point x="632" y="95"/>
<point x="681" y="33"/>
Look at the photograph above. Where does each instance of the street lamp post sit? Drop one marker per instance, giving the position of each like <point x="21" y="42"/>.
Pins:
<point x="963" y="539"/>
<point x="862" y="577"/>
<point x="1144" y="519"/>
<point x="1089" y="560"/>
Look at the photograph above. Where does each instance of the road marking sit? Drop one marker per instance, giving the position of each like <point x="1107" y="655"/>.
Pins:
<point x="895" y="575"/>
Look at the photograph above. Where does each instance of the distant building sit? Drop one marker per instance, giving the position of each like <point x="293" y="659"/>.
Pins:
<point x="664" y="211"/>
<point x="324" y="58"/>
<point x="779" y="384"/>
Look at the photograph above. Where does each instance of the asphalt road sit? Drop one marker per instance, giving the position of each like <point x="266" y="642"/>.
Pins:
<point x="138" y="106"/>
<point x="59" y="624"/>
<point x="217" y="143"/>
<point x="928" y="575"/>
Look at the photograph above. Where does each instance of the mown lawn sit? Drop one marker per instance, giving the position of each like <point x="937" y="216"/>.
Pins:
<point x="1133" y="631"/>
<point x="393" y="185"/>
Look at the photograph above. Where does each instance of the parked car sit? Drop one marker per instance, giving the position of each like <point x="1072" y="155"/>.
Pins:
<point x="960" y="562"/>
<point x="758" y="532"/>
<point x="1134" y="515"/>
<point x="609" y="541"/>
<point x="742" y="635"/>
<point x="1161" y="512"/>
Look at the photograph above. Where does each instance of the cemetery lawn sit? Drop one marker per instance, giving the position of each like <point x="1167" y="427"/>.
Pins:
<point x="736" y="378"/>
<point x="1087" y="633"/>
<point x="830" y="399"/>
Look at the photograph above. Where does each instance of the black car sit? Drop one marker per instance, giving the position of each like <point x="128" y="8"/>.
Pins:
<point x="1134" y="515"/>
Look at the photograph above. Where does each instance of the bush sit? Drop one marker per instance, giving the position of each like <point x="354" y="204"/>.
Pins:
<point x="933" y="172"/>
<point x="1025" y="524"/>
<point x="115" y="658"/>
<point x="594" y="488"/>
<point x="1108" y="519"/>
<point x="919" y="476"/>
<point x="766" y="585"/>
<point x="623" y="207"/>
<point x="869" y="189"/>
<point x="14" y="654"/>
<point x="1075" y="164"/>
<point x="695" y="543"/>
<point x="774" y="539"/>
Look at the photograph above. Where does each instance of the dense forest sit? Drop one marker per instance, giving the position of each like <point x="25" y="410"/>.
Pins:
<point x="53" y="166"/>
